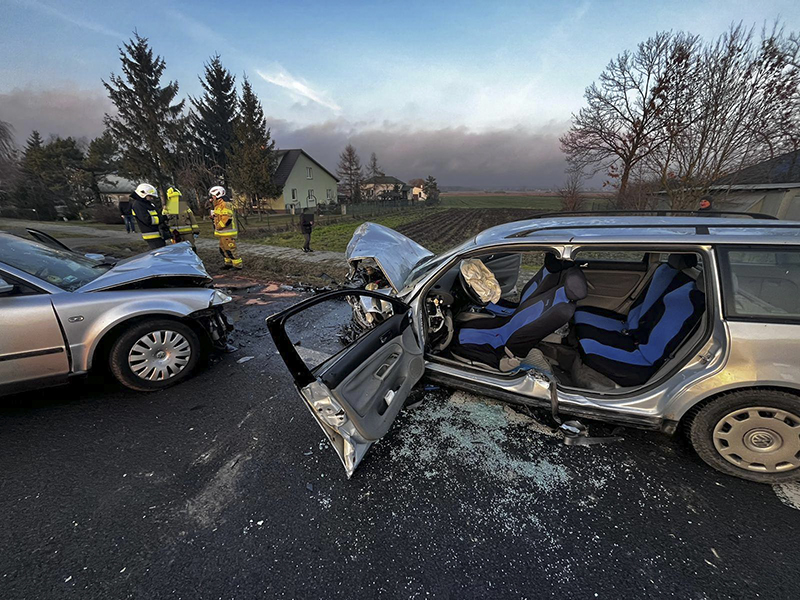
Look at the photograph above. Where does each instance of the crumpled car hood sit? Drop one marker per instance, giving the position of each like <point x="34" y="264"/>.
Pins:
<point x="395" y="254"/>
<point x="178" y="260"/>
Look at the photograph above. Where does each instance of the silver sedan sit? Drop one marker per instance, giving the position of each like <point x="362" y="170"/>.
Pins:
<point x="148" y="319"/>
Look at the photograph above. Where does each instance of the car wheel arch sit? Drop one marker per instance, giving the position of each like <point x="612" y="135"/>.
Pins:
<point x="685" y="419"/>
<point x="107" y="338"/>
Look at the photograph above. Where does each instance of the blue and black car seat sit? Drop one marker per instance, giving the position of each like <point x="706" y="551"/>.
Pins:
<point x="545" y="278"/>
<point x="487" y="338"/>
<point x="629" y="350"/>
<point x="588" y="318"/>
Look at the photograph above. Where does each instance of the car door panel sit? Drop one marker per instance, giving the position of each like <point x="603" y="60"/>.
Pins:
<point x="32" y="345"/>
<point x="611" y="284"/>
<point x="355" y="395"/>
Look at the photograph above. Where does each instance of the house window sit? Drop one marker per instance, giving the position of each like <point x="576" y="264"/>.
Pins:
<point x="308" y="173"/>
<point x="310" y="194"/>
<point x="329" y="194"/>
<point x="294" y="193"/>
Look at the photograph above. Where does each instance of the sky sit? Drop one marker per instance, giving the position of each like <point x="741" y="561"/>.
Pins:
<point x="474" y="93"/>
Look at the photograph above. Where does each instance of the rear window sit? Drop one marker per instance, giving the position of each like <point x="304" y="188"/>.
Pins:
<point x="761" y="283"/>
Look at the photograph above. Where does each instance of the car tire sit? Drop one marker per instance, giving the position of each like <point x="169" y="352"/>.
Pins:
<point x="155" y="354"/>
<point x="750" y="434"/>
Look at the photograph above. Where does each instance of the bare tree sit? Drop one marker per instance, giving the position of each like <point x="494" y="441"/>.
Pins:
<point x="619" y="127"/>
<point x="743" y="101"/>
<point x="570" y="193"/>
<point x="678" y="114"/>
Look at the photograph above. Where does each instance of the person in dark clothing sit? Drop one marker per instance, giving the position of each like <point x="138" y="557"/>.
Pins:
<point x="146" y="213"/>
<point x="706" y="203"/>
<point x="125" y="211"/>
<point x="306" y="226"/>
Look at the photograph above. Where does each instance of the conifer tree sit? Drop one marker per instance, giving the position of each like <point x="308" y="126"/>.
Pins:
<point x="214" y="114"/>
<point x="148" y="122"/>
<point x="252" y="159"/>
<point x="373" y="168"/>
<point x="350" y="173"/>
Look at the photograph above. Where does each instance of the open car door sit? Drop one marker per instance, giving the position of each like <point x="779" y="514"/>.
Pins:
<point x="355" y="393"/>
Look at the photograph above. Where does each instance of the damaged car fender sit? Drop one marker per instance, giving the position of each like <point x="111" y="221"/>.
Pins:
<point x="85" y="325"/>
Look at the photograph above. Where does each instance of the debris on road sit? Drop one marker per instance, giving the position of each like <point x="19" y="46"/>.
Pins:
<point x="244" y="359"/>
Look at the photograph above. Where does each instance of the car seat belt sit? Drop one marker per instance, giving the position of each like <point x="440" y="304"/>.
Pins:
<point x="536" y="362"/>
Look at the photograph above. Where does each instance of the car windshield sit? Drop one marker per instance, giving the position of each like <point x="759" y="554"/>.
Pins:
<point x="66" y="270"/>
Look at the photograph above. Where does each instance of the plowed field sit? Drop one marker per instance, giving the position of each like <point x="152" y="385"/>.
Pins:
<point x="446" y="229"/>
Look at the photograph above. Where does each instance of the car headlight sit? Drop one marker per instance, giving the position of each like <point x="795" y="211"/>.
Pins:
<point x="219" y="298"/>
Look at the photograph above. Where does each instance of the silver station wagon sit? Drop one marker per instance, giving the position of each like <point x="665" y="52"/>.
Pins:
<point x="667" y="323"/>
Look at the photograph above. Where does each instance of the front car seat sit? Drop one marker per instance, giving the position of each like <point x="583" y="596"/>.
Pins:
<point x="545" y="278"/>
<point x="486" y="339"/>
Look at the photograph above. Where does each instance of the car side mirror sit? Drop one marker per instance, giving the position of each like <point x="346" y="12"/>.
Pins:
<point x="5" y="287"/>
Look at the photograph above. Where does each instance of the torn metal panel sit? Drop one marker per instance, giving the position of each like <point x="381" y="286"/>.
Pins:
<point x="395" y="254"/>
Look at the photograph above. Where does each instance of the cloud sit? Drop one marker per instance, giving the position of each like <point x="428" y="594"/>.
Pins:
<point x="510" y="157"/>
<point x="66" y="111"/>
<point x="486" y="159"/>
<point x="196" y="29"/>
<point x="71" y="18"/>
<point x="297" y="87"/>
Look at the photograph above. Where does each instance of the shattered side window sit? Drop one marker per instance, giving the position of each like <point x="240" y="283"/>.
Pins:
<point x="60" y="268"/>
<point x="321" y="331"/>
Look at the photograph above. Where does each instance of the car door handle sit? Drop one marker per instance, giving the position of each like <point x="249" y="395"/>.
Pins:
<point x="386" y="337"/>
<point x="384" y="369"/>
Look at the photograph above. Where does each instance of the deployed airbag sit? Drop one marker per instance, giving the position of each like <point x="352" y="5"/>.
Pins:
<point x="481" y="280"/>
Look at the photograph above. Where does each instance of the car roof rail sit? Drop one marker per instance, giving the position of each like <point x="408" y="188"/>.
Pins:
<point x="657" y="213"/>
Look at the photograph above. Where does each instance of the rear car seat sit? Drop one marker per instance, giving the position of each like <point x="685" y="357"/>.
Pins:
<point x="486" y="339"/>
<point x="591" y="317"/>
<point x="631" y="355"/>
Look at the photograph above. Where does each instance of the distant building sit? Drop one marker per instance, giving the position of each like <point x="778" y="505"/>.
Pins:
<point x="385" y="187"/>
<point x="114" y="188"/>
<point x="306" y="183"/>
<point x="770" y="187"/>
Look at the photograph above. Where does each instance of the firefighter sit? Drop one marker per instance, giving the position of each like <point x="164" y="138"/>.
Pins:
<point x="180" y="218"/>
<point x="144" y="209"/>
<point x="225" y="227"/>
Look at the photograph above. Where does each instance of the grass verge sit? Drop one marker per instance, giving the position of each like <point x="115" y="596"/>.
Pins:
<point x="255" y="267"/>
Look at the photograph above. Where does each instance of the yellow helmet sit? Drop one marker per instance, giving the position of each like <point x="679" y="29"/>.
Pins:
<point x="173" y="191"/>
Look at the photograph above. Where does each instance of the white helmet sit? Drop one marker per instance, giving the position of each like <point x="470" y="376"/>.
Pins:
<point x="145" y="189"/>
<point x="217" y="191"/>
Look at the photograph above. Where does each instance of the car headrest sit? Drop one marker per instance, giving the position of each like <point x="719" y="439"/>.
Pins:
<point x="555" y="265"/>
<point x="575" y="285"/>
<point x="682" y="261"/>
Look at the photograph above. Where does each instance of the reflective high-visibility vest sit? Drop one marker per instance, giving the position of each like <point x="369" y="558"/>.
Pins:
<point x="224" y="220"/>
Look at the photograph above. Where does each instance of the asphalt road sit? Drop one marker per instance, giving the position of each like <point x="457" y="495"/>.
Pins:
<point x="224" y="487"/>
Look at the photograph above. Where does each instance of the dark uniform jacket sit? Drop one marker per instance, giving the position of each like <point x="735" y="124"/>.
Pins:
<point x="125" y="207"/>
<point x="146" y="216"/>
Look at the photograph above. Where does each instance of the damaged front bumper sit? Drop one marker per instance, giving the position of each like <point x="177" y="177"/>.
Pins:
<point x="216" y="325"/>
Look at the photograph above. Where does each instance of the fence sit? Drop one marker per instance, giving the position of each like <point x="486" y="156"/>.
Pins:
<point x="326" y="214"/>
